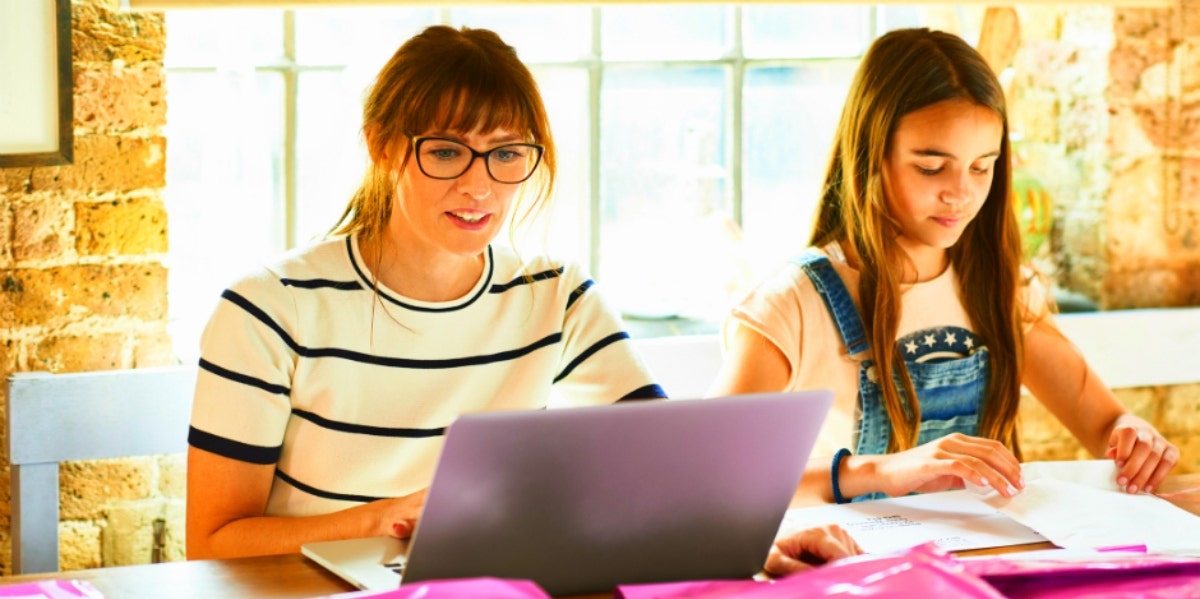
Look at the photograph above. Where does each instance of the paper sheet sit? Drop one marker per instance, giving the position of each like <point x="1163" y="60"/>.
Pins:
<point x="1073" y="504"/>
<point x="955" y="520"/>
<point x="1077" y="505"/>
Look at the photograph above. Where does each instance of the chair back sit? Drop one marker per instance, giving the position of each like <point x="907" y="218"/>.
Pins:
<point x="55" y="418"/>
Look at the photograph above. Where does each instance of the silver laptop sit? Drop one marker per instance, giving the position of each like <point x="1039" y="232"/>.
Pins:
<point x="580" y="500"/>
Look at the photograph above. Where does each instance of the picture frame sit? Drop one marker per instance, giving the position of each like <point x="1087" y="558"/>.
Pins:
<point x="35" y="59"/>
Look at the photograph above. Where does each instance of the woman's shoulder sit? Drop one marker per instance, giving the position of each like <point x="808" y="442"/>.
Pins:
<point x="511" y="264"/>
<point x="328" y="261"/>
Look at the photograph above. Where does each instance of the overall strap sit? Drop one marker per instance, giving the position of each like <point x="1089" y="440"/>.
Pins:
<point x="837" y="298"/>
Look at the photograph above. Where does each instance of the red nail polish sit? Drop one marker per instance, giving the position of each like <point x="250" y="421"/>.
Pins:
<point x="399" y="529"/>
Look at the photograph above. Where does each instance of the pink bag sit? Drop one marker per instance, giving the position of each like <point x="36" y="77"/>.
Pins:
<point x="925" y="567"/>
<point x="1124" y="576"/>
<point x="930" y="572"/>
<point x="52" y="589"/>
<point x="455" y="589"/>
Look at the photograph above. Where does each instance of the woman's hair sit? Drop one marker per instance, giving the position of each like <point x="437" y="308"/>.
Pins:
<point x="904" y="71"/>
<point x="452" y="80"/>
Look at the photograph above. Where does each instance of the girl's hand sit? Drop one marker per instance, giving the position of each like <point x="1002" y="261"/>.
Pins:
<point x="400" y="515"/>
<point x="1142" y="455"/>
<point x="946" y="463"/>
<point x="810" y="547"/>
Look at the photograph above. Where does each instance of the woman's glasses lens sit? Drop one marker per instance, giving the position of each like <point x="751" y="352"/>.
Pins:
<point x="448" y="159"/>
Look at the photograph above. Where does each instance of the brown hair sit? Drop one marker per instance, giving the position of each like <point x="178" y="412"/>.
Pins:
<point x="904" y="71"/>
<point x="453" y="80"/>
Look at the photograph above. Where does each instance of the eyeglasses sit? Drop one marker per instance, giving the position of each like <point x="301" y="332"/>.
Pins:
<point x="440" y="158"/>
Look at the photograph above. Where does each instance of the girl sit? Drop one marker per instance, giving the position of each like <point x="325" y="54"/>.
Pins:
<point x="327" y="379"/>
<point x="911" y="303"/>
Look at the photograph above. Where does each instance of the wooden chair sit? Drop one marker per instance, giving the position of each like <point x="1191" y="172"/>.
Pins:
<point x="56" y="418"/>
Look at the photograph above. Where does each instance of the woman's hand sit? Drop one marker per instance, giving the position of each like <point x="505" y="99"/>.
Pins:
<point x="1142" y="455"/>
<point x="400" y="514"/>
<point x="810" y="547"/>
<point x="946" y="463"/>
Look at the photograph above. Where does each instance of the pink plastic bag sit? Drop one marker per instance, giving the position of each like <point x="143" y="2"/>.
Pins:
<point x="925" y="567"/>
<point x="455" y="589"/>
<point x="1104" y="577"/>
<point x="51" y="589"/>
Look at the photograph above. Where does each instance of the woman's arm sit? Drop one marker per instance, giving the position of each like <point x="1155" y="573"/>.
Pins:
<point x="1056" y="373"/>
<point x="226" y="499"/>
<point x="810" y="547"/>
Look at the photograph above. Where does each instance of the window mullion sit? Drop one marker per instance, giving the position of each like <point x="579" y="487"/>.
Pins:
<point x="595" y="78"/>
<point x="290" y="152"/>
<point x="737" y="79"/>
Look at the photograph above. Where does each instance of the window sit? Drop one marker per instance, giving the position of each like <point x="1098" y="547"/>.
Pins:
<point x="692" y="138"/>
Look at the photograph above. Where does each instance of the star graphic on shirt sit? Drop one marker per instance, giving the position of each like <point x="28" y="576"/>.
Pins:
<point x="938" y="344"/>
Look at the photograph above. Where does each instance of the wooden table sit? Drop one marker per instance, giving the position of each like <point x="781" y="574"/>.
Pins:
<point x="294" y="576"/>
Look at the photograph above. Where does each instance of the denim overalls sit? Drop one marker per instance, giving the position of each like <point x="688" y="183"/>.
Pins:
<point x="950" y="392"/>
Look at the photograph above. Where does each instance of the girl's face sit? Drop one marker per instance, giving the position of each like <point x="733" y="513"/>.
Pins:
<point x="459" y="216"/>
<point x="937" y="175"/>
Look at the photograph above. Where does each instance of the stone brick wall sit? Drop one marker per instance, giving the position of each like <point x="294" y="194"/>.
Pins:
<point x="1173" y="410"/>
<point x="1107" y="105"/>
<point x="1106" y="101"/>
<point x="84" y="286"/>
<point x="1153" y="211"/>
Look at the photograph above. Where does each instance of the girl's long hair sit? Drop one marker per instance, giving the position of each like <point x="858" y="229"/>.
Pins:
<point x="452" y="80"/>
<point x="904" y="71"/>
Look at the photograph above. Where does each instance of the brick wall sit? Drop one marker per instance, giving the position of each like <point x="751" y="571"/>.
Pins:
<point x="1106" y="101"/>
<point x="84" y="286"/>
<point x="1153" y="210"/>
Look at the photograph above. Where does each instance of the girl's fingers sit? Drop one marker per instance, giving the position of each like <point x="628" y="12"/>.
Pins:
<point x="1170" y="457"/>
<point x="1127" y="474"/>
<point x="984" y="462"/>
<point x="1151" y="451"/>
<point x="1123" y="440"/>
<point x="983" y="474"/>
<point x="993" y="453"/>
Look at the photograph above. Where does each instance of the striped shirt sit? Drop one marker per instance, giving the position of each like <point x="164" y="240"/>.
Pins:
<point x="347" y="389"/>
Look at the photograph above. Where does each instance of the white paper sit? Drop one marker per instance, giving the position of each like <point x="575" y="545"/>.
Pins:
<point x="1077" y="505"/>
<point x="955" y="520"/>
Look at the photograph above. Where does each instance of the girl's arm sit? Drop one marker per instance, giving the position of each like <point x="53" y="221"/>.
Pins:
<point x="226" y="499"/>
<point x="1056" y="373"/>
<point x="753" y="364"/>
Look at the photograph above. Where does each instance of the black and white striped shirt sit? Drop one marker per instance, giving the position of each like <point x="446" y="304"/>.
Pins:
<point x="348" y="389"/>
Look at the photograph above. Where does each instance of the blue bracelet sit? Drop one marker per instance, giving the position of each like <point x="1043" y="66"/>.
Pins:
<point x="833" y="475"/>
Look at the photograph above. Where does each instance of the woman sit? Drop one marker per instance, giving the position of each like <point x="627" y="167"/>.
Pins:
<point x="327" y="378"/>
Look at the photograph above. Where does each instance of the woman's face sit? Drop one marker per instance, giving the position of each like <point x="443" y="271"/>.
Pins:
<point x="938" y="173"/>
<point x="459" y="216"/>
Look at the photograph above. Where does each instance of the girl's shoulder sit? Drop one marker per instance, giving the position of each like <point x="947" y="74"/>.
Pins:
<point x="792" y="284"/>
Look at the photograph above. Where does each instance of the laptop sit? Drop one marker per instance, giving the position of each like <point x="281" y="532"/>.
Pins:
<point x="581" y="500"/>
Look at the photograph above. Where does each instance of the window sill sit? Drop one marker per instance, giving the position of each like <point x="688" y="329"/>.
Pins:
<point x="1128" y="348"/>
